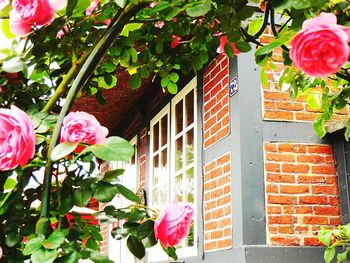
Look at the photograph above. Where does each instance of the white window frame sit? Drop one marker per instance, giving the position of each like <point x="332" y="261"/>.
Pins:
<point x="117" y="249"/>
<point x="156" y="254"/>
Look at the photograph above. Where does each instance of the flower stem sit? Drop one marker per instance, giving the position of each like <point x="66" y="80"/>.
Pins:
<point x="96" y="55"/>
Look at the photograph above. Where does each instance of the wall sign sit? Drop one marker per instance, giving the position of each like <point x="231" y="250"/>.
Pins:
<point x="233" y="86"/>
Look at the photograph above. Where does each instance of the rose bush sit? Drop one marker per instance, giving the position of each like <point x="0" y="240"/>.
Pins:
<point x="17" y="138"/>
<point x="173" y="224"/>
<point x="321" y="47"/>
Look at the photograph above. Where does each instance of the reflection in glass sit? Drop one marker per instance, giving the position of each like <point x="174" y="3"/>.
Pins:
<point x="189" y="185"/>
<point x="164" y="130"/>
<point x="155" y="169"/>
<point x="189" y="104"/>
<point x="178" y="117"/>
<point x="178" y="154"/>
<point x="189" y="147"/>
<point x="156" y="137"/>
<point x="178" y="187"/>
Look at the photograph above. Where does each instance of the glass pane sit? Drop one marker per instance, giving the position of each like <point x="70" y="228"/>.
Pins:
<point x="189" y="102"/>
<point x="164" y="130"/>
<point x="189" y="147"/>
<point x="178" y="154"/>
<point x="156" y="137"/>
<point x="189" y="185"/>
<point x="155" y="169"/>
<point x="190" y="237"/>
<point x="178" y="117"/>
<point x="164" y="160"/>
<point x="178" y="187"/>
<point x="155" y="194"/>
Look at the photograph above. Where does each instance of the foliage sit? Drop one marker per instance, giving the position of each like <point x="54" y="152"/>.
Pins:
<point x="77" y="53"/>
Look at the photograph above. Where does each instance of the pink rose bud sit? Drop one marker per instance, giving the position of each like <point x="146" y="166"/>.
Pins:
<point x="83" y="127"/>
<point x="17" y="138"/>
<point x="321" y="47"/>
<point x="221" y="48"/>
<point x="173" y="225"/>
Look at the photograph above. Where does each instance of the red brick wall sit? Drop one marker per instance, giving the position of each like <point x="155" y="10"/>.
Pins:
<point x="216" y="101"/>
<point x="217" y="204"/>
<point x="301" y="192"/>
<point x="277" y="105"/>
<point x="104" y="233"/>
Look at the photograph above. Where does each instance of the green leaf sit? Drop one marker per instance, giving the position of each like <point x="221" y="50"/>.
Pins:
<point x="129" y="28"/>
<point x="325" y="237"/>
<point x="171" y="252"/>
<point x="33" y="245"/>
<point x="112" y="176"/>
<point x="92" y="244"/>
<point x="243" y="46"/>
<point x="5" y="27"/>
<point x="342" y="256"/>
<point x="81" y="7"/>
<point x="319" y="127"/>
<point x="72" y="257"/>
<point x="135" y="81"/>
<point x="113" y="149"/>
<point x="229" y="50"/>
<point x="172" y="87"/>
<point x="145" y="229"/>
<point x="347" y="133"/>
<point x="314" y="100"/>
<point x="245" y="12"/>
<point x="136" y="247"/>
<point x="12" y="239"/>
<point x="136" y="215"/>
<point x="71" y="4"/>
<point x="127" y="193"/>
<point x="100" y="258"/>
<point x="329" y="254"/>
<point x="10" y="183"/>
<point x="174" y="77"/>
<point x="43" y="255"/>
<point x="81" y="196"/>
<point x="200" y="9"/>
<point x="121" y="3"/>
<point x="104" y="192"/>
<point x="255" y="25"/>
<point x="55" y="239"/>
<point x="62" y="150"/>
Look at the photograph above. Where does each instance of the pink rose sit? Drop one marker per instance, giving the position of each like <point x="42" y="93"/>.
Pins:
<point x="221" y="48"/>
<point x="80" y="126"/>
<point x="28" y="13"/>
<point x="321" y="47"/>
<point x="17" y="138"/>
<point x="173" y="225"/>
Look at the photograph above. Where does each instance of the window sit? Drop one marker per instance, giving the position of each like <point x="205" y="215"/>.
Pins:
<point x="117" y="249"/>
<point x="173" y="160"/>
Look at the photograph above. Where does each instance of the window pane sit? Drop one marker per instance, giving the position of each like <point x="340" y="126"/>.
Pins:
<point x="189" y="102"/>
<point x="156" y="137"/>
<point x="189" y="185"/>
<point x="178" y="187"/>
<point x="189" y="147"/>
<point x="178" y="154"/>
<point x="179" y="117"/>
<point x="164" y="130"/>
<point x="155" y="169"/>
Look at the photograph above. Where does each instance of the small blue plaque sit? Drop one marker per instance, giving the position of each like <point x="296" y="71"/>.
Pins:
<point x="233" y="86"/>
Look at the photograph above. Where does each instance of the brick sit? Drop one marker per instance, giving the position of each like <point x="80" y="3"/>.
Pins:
<point x="228" y="232"/>
<point x="280" y="178"/>
<point x="281" y="219"/>
<point x="312" y="241"/>
<point x="275" y="95"/>
<point x="321" y="200"/>
<point x="278" y="157"/>
<point x="272" y="167"/>
<point x="295" y="168"/>
<point x="324" y="189"/>
<point x="334" y="221"/>
<point x="278" y="115"/>
<point x="301" y="229"/>
<point x="224" y="200"/>
<point x="287" y="209"/>
<point x="292" y="148"/>
<point x="210" y="226"/>
<point x="223" y="159"/>
<point x="327" y="149"/>
<point x="285" y="241"/>
<point x="317" y="159"/>
<point x="315" y="220"/>
<point x="210" y="246"/>
<point x="210" y="185"/>
<point x="285" y="230"/>
<point x="321" y="210"/>
<point x="289" y="106"/>
<point x="216" y="234"/>
<point x="303" y="210"/>
<point x="226" y="243"/>
<point x="280" y="199"/>
<point x="225" y="222"/>
<point x="334" y="201"/>
<point x="311" y="179"/>
<point x="324" y="169"/>
<point x="216" y="193"/>
<point x="291" y="189"/>
<point x="273" y="210"/>
<point x="271" y="188"/>
<point x="305" y="116"/>
<point x="270" y="148"/>
<point x="217" y="213"/>
<point x="332" y="180"/>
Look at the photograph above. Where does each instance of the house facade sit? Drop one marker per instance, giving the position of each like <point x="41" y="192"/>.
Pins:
<point x="261" y="182"/>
